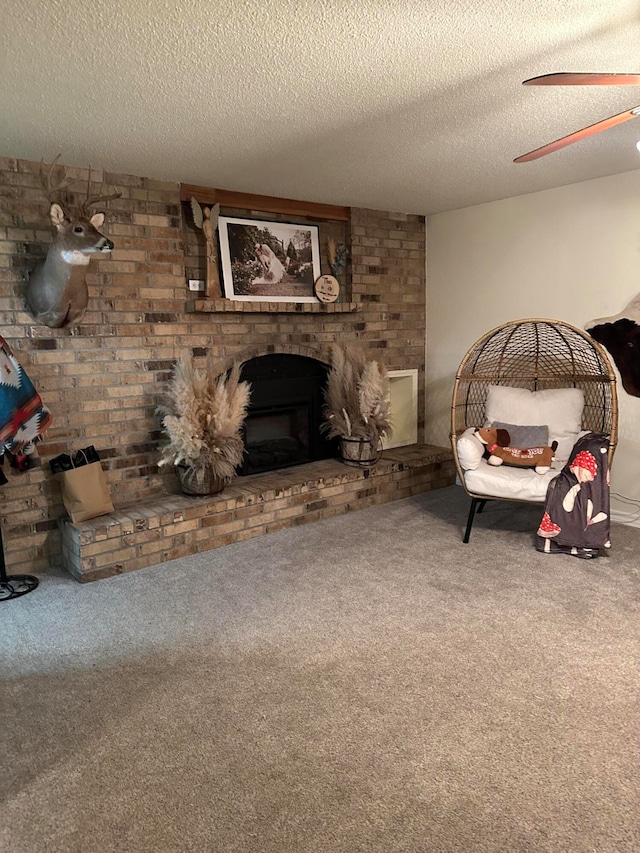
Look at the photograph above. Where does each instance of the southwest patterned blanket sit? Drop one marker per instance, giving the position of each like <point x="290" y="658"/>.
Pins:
<point x="576" y="512"/>
<point x="23" y="416"/>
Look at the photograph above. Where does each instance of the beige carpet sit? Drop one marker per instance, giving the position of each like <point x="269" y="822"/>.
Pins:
<point x="367" y="683"/>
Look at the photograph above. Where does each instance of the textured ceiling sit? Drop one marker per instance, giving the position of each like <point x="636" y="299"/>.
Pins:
<point x="408" y="105"/>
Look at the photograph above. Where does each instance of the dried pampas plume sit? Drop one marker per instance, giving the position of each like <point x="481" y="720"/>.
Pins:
<point x="357" y="396"/>
<point x="204" y="418"/>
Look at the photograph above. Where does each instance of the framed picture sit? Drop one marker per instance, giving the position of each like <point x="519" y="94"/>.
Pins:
<point x="268" y="261"/>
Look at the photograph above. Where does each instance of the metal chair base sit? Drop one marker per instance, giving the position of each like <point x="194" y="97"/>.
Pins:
<point x="476" y="504"/>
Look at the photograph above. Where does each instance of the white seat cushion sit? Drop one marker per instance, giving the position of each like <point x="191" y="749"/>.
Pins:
<point x="504" y="481"/>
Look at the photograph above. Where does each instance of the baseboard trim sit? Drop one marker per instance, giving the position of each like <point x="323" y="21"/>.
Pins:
<point x="629" y="518"/>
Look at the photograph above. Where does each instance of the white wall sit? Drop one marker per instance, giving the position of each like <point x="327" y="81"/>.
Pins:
<point x="571" y="253"/>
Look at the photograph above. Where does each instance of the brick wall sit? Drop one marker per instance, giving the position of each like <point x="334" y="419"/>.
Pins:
<point x="104" y="381"/>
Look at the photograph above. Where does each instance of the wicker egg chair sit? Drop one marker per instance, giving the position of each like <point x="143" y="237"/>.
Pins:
<point x="535" y="354"/>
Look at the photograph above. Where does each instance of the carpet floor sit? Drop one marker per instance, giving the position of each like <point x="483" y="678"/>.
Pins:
<point x="364" y="683"/>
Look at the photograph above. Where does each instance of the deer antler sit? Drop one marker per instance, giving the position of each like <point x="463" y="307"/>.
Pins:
<point x="90" y="200"/>
<point x="47" y="180"/>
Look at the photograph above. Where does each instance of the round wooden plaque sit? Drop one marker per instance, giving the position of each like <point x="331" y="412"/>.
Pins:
<point x="327" y="288"/>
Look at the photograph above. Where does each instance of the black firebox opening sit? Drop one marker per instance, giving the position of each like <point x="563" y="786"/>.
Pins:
<point x="285" y="413"/>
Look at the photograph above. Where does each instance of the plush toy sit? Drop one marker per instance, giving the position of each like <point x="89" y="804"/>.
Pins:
<point x="497" y="443"/>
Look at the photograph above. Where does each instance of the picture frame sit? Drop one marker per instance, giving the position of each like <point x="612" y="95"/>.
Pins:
<point x="268" y="261"/>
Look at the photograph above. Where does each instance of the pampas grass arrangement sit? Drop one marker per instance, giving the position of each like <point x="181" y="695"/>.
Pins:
<point x="356" y="401"/>
<point x="204" y="420"/>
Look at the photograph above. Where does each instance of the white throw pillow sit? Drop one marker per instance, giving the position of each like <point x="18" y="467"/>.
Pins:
<point x="470" y="450"/>
<point x="558" y="408"/>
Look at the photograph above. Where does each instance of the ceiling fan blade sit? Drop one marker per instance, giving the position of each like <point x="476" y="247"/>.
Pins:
<point x="599" y="126"/>
<point x="569" y="79"/>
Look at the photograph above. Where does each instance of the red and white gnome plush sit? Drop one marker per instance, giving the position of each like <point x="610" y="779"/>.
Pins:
<point x="497" y="442"/>
<point x="584" y="467"/>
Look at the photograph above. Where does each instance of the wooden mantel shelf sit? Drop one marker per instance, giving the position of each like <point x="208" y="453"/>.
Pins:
<point x="213" y="306"/>
<point x="268" y="204"/>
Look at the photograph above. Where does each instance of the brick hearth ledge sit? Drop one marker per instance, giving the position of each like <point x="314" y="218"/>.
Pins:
<point x="172" y="526"/>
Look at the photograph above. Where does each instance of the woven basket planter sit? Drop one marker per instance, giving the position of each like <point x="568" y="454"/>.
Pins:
<point x="199" y="481"/>
<point x="359" y="452"/>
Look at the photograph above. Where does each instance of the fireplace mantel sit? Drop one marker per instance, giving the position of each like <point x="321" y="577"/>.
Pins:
<point x="264" y="203"/>
<point x="213" y="306"/>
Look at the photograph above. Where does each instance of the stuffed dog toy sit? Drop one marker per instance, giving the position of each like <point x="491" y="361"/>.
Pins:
<point x="497" y="443"/>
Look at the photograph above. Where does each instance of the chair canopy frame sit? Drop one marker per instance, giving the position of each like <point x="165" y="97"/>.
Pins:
<point x="536" y="354"/>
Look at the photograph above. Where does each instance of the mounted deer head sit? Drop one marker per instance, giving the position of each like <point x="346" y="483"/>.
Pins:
<point x="56" y="292"/>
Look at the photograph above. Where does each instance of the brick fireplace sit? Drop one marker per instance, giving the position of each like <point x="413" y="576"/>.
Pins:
<point x="104" y="383"/>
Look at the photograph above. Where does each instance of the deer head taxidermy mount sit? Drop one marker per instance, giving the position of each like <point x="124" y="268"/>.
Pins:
<point x="56" y="292"/>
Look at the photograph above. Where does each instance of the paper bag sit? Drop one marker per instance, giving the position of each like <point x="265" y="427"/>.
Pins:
<point x="85" y="491"/>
